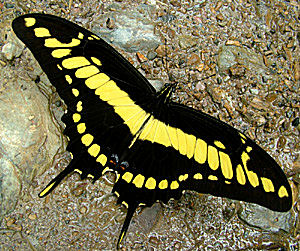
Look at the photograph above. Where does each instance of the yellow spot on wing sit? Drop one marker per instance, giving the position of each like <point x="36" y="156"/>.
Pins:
<point x="200" y="154"/>
<point x="59" y="53"/>
<point x="282" y="192"/>
<point x="54" y="43"/>
<point x="267" y="185"/>
<point x="94" y="150"/>
<point x="47" y="189"/>
<point x="125" y="204"/>
<point x="181" y="141"/>
<point x="198" y="176"/>
<point x="75" y="92"/>
<point x="138" y="181"/>
<point x="163" y="184"/>
<point x="162" y="136"/>
<point x="150" y="183"/>
<point x="226" y="165"/>
<point x="81" y="128"/>
<point x="173" y="136"/>
<point x="29" y="21"/>
<point x="41" y="32"/>
<point x="252" y="176"/>
<point x="102" y="159"/>
<point x="219" y="144"/>
<point x="77" y="171"/>
<point x="79" y="106"/>
<point x="213" y="158"/>
<point x="96" y="61"/>
<point x="76" y="117"/>
<point x="106" y="169"/>
<point x="75" y="62"/>
<point x="183" y="177"/>
<point x="87" y="71"/>
<point x="90" y="176"/>
<point x="87" y="139"/>
<point x="190" y="145"/>
<point x="96" y="81"/>
<point x="127" y="177"/>
<point x="212" y="177"/>
<point x="59" y="67"/>
<point x="94" y="36"/>
<point x="80" y="35"/>
<point x="240" y="176"/>
<point x="174" y="185"/>
<point x="69" y="79"/>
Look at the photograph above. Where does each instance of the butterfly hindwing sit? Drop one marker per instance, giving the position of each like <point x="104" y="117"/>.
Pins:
<point x="116" y="121"/>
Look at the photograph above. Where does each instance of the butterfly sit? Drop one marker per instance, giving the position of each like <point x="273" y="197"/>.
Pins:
<point x="116" y="121"/>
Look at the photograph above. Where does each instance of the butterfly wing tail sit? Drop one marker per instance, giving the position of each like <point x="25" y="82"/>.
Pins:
<point x="130" y="211"/>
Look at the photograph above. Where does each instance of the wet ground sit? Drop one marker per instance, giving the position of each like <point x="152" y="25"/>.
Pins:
<point x="235" y="60"/>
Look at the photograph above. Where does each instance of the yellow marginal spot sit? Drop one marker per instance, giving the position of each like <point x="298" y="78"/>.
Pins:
<point x="242" y="135"/>
<point x="96" y="61"/>
<point x="181" y="141"/>
<point x="138" y="181"/>
<point x="243" y="141"/>
<point x="80" y="35"/>
<point x="190" y="142"/>
<point x="282" y="192"/>
<point x="142" y="204"/>
<point x="226" y="165"/>
<point x="240" y="175"/>
<point x="75" y="62"/>
<point x="59" y="67"/>
<point x="87" y="139"/>
<point x="75" y="92"/>
<point x="94" y="150"/>
<point x="173" y="136"/>
<point x="90" y="38"/>
<point x="76" y="117"/>
<point x="116" y="193"/>
<point x="150" y="183"/>
<point x="79" y="106"/>
<point x="117" y="176"/>
<point x="47" y="189"/>
<point x="198" y="176"/>
<point x="102" y="159"/>
<point x="249" y="149"/>
<point x="69" y="79"/>
<point x="54" y="43"/>
<point x="127" y="177"/>
<point x="227" y="182"/>
<point x="77" y="171"/>
<point x="125" y="204"/>
<point x="87" y="71"/>
<point x="219" y="144"/>
<point x="41" y="32"/>
<point x="252" y="176"/>
<point x="96" y="81"/>
<point x="81" y="128"/>
<point x="267" y="185"/>
<point x="200" y="154"/>
<point x="212" y="177"/>
<point x="29" y="21"/>
<point x="90" y="176"/>
<point x="183" y="177"/>
<point x="174" y="185"/>
<point x="163" y="184"/>
<point x="213" y="158"/>
<point x="59" y="53"/>
<point x="106" y="169"/>
<point x="94" y="36"/>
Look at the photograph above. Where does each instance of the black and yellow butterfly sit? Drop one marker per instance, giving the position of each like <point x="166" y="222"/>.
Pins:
<point x="116" y="121"/>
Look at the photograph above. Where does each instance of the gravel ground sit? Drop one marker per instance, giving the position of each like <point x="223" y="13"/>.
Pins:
<point x="235" y="60"/>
